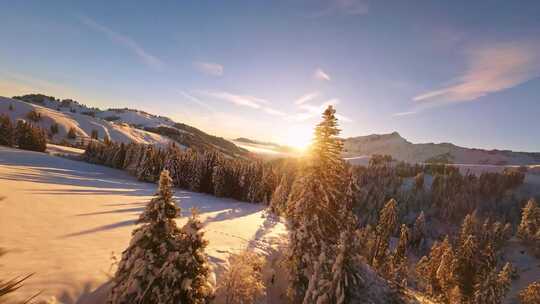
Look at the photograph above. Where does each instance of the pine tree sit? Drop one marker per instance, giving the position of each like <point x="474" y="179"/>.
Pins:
<point x="428" y="267"/>
<point x="119" y="157"/>
<point x="162" y="264"/>
<point x="196" y="287"/>
<point x="72" y="134"/>
<point x="466" y="262"/>
<point x="399" y="258"/>
<point x="418" y="237"/>
<point x="279" y="197"/>
<point x="319" y="191"/>
<point x="7" y="133"/>
<point x="242" y="282"/>
<point x="172" y="163"/>
<point x="148" y="168"/>
<point x="445" y="273"/>
<point x="219" y="181"/>
<point x="530" y="221"/>
<point x="30" y="138"/>
<point x="493" y="286"/>
<point x="386" y="227"/>
<point x="54" y="128"/>
<point x="530" y="294"/>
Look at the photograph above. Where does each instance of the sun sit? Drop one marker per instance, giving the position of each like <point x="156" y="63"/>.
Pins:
<point x="298" y="137"/>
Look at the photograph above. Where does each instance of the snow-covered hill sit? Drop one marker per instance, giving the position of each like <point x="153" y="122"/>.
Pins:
<point x="81" y="123"/>
<point x="401" y="149"/>
<point x="121" y="125"/>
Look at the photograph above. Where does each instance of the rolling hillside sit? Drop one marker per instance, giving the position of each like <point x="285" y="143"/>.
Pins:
<point x="120" y="125"/>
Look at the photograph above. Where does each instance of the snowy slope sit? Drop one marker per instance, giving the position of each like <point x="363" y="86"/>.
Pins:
<point x="61" y="220"/>
<point x="83" y="124"/>
<point x="401" y="149"/>
<point x="134" y="123"/>
<point x="134" y="117"/>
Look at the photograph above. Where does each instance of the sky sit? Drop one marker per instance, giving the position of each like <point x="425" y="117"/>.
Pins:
<point x="466" y="72"/>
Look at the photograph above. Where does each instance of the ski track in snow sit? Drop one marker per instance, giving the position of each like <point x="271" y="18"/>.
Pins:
<point x="61" y="219"/>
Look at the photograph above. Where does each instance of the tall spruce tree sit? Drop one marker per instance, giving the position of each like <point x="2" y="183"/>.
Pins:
<point x="314" y="209"/>
<point x="163" y="263"/>
<point x="386" y="227"/>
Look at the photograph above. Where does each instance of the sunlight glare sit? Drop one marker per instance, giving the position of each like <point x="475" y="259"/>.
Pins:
<point x="299" y="137"/>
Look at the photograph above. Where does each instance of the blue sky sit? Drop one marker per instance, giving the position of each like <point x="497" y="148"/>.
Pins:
<point x="465" y="72"/>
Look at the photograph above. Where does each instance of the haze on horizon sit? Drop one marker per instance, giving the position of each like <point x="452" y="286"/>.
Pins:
<point x="460" y="72"/>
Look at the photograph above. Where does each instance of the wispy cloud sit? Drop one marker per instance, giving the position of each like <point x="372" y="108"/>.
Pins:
<point x="209" y="68"/>
<point x="342" y="7"/>
<point x="306" y="97"/>
<point x="147" y="58"/>
<point x="239" y="100"/>
<point x="406" y="113"/>
<point x="321" y="75"/>
<point x="196" y="100"/>
<point x="490" y="69"/>
<point x="245" y="101"/>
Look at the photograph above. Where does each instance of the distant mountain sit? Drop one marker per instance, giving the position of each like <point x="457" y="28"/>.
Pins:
<point x="121" y="125"/>
<point x="401" y="149"/>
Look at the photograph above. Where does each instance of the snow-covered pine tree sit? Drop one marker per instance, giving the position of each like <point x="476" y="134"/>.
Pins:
<point x="336" y="277"/>
<point x="119" y="156"/>
<point x="318" y="192"/>
<point x="279" y="198"/>
<point x="445" y="274"/>
<point x="172" y="163"/>
<point x="153" y="268"/>
<point x="386" y="227"/>
<point x="468" y="227"/>
<point x="466" y="261"/>
<point x="196" y="286"/>
<point x="530" y="221"/>
<point x="242" y="281"/>
<point x="399" y="257"/>
<point x="218" y="181"/>
<point x="150" y="164"/>
<point x="492" y="288"/>
<point x="428" y="267"/>
<point x="195" y="171"/>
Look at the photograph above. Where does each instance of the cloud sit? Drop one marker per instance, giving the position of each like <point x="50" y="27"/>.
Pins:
<point x="147" y="58"/>
<point x="406" y="113"/>
<point x="209" y="68"/>
<point x="239" y="100"/>
<point x="490" y="69"/>
<point x="245" y="101"/>
<point x="196" y="100"/>
<point x="306" y="97"/>
<point x="321" y="75"/>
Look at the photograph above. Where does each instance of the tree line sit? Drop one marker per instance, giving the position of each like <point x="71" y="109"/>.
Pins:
<point x="23" y="135"/>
